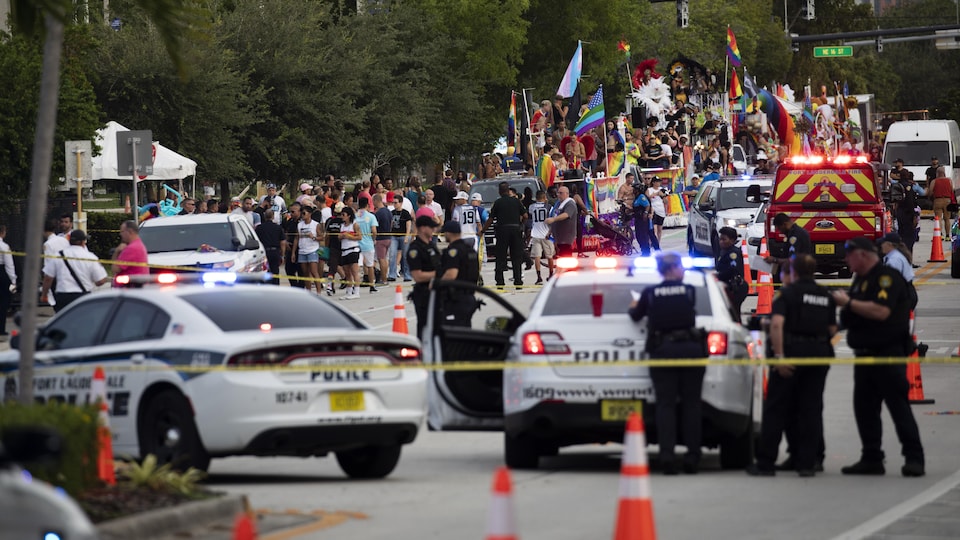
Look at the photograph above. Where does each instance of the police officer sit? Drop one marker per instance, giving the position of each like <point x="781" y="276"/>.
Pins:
<point x="672" y="334"/>
<point x="291" y="266"/>
<point x="509" y="212"/>
<point x="423" y="258"/>
<point x="798" y="241"/>
<point x="876" y="314"/>
<point x="459" y="263"/>
<point x="730" y="269"/>
<point x="802" y="323"/>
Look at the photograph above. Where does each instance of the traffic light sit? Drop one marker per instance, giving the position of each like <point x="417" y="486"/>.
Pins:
<point x="810" y="13"/>
<point x="879" y="44"/>
<point x="683" y="13"/>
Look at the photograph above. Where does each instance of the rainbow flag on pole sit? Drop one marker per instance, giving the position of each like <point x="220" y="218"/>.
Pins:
<point x="733" y="52"/>
<point x="594" y="117"/>
<point x="512" y="123"/>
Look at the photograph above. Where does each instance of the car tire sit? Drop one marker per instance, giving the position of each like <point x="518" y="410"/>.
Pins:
<point x="166" y="411"/>
<point x="691" y="247"/>
<point x="369" y="462"/>
<point x="844" y="273"/>
<point x="955" y="264"/>
<point x="520" y="452"/>
<point x="736" y="451"/>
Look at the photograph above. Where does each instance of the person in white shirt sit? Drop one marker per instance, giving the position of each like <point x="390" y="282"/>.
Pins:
<point x="52" y="245"/>
<point x="246" y="210"/>
<point x="8" y="279"/>
<point x="468" y="216"/>
<point x="434" y="205"/>
<point x="77" y="272"/>
<point x="658" y="207"/>
<point x="277" y="203"/>
<point x="305" y="246"/>
<point x="540" y="244"/>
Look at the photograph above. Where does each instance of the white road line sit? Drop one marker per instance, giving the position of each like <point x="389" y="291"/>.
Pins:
<point x="890" y="516"/>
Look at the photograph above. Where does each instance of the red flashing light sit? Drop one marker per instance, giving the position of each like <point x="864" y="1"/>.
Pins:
<point x="605" y="262"/>
<point x="567" y="263"/>
<point x="717" y="343"/>
<point x="122" y="280"/>
<point x="408" y="353"/>
<point x="166" y="279"/>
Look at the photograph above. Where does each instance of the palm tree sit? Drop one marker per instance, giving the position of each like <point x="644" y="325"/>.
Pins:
<point x="174" y="19"/>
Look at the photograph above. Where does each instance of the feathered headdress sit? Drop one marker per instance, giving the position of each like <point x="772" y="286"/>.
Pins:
<point x="649" y="63"/>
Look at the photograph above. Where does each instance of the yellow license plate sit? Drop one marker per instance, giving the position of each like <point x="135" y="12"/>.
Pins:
<point x="617" y="410"/>
<point x="346" y="401"/>
<point x="824" y="249"/>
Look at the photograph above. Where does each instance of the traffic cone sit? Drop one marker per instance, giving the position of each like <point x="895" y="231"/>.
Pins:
<point x="914" y="377"/>
<point x="243" y="527"/>
<point x="887" y="221"/>
<point x="399" y="313"/>
<point x="635" y="508"/>
<point x="501" y="520"/>
<point x="126" y="205"/>
<point x="747" y="275"/>
<point x="98" y="391"/>
<point x="936" y="253"/>
<point x="764" y="294"/>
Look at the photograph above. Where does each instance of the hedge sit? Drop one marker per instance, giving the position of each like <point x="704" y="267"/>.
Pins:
<point x="104" y="232"/>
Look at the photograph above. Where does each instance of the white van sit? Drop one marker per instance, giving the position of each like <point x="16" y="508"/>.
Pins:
<point x="204" y="242"/>
<point x="916" y="141"/>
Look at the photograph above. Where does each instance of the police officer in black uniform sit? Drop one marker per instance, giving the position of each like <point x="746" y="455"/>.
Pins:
<point x="672" y="333"/>
<point x="461" y="263"/>
<point x="291" y="267"/>
<point x="802" y="323"/>
<point x="876" y="314"/>
<point x="730" y="269"/>
<point x="798" y="242"/>
<point x="424" y="261"/>
<point x="509" y="213"/>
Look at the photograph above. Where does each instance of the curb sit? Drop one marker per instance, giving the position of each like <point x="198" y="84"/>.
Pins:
<point x="167" y="521"/>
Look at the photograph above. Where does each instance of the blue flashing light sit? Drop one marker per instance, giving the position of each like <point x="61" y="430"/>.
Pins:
<point x="27" y="477"/>
<point x="218" y="277"/>
<point x="700" y="263"/>
<point x="745" y="177"/>
<point x="51" y="536"/>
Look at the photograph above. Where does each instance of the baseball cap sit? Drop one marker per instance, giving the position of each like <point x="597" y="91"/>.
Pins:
<point x="305" y="187"/>
<point x="898" y="160"/>
<point x="235" y="199"/>
<point x="271" y="186"/>
<point x="461" y="195"/>
<point x="476" y="197"/>
<point x="426" y="221"/>
<point x="308" y="202"/>
<point x="892" y="237"/>
<point x="450" y="227"/>
<point x="860" y="242"/>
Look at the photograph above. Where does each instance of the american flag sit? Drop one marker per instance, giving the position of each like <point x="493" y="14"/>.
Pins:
<point x="597" y="98"/>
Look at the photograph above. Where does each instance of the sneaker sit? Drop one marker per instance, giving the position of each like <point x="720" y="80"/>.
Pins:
<point x="381" y="283"/>
<point x="329" y="291"/>
<point x="391" y="279"/>
<point x="353" y="296"/>
<point x="912" y="469"/>
<point x="866" y="468"/>
<point x="789" y="465"/>
<point x="343" y="286"/>
<point x="407" y="280"/>
<point x="539" y="281"/>
<point x="373" y="289"/>
<point x="754" y="469"/>
<point x="529" y="264"/>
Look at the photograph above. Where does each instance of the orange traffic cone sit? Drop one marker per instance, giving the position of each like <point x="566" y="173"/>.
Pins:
<point x="747" y="276"/>
<point x="126" y="205"/>
<point x="243" y="527"/>
<point x="764" y="294"/>
<point x="635" y="509"/>
<point x="936" y="253"/>
<point x="399" y="314"/>
<point x="887" y="221"/>
<point x="98" y="391"/>
<point x="501" y="520"/>
<point x="914" y="377"/>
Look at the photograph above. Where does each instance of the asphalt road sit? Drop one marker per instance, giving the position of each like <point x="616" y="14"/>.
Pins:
<point x="441" y="487"/>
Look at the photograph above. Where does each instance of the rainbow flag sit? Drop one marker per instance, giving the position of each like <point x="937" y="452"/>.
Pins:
<point x="594" y="117"/>
<point x="512" y="123"/>
<point x="591" y="195"/>
<point x="733" y="52"/>
<point x="546" y="170"/>
<point x="616" y="161"/>
<point x="735" y="89"/>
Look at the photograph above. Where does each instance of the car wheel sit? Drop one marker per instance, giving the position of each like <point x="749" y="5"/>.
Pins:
<point x="520" y="452"/>
<point x="955" y="264"/>
<point x="844" y="273"/>
<point x="736" y="451"/>
<point x="691" y="247"/>
<point x="167" y="430"/>
<point x="369" y="461"/>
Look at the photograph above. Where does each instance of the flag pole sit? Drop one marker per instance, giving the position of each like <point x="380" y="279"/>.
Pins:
<point x="526" y="112"/>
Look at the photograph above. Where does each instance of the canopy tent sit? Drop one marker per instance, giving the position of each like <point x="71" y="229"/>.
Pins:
<point x="167" y="164"/>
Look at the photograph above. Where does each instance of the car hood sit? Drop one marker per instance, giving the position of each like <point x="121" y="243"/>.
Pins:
<point x="191" y="258"/>
<point x="739" y="214"/>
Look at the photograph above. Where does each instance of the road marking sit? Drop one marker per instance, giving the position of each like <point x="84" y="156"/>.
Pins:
<point x="326" y="521"/>
<point x="928" y="271"/>
<point x="890" y="516"/>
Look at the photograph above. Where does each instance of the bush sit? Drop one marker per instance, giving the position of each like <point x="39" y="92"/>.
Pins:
<point x="103" y="230"/>
<point x="76" y="470"/>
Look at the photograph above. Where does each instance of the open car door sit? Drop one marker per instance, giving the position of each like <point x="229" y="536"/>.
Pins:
<point x="459" y="398"/>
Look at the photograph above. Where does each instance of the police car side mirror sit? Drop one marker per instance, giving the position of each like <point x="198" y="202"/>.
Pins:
<point x="706" y="205"/>
<point x="956" y="163"/>
<point x="252" y="244"/>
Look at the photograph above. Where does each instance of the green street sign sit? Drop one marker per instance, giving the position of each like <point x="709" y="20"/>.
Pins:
<point x="837" y="51"/>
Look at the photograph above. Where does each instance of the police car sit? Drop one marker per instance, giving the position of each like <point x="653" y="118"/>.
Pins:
<point x="721" y="203"/>
<point x="542" y="408"/>
<point x="196" y="371"/>
<point x="204" y="242"/>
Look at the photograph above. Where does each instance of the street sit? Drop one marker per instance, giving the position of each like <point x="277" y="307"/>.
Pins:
<point x="441" y="487"/>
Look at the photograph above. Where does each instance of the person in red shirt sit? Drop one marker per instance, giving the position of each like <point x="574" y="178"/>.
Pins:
<point x="131" y="250"/>
<point x="941" y="193"/>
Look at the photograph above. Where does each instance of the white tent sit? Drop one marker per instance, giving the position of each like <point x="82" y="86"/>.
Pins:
<point x="167" y="164"/>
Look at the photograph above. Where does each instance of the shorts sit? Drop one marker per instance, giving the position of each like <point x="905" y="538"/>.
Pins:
<point x="347" y="259"/>
<point x="368" y="258"/>
<point x="382" y="248"/>
<point x="541" y="247"/>
<point x="658" y="220"/>
<point x="311" y="257"/>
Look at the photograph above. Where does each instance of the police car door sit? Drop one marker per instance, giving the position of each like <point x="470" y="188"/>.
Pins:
<point x="704" y="217"/>
<point x="465" y="399"/>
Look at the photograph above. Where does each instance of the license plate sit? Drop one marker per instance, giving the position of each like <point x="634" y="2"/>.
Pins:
<point x="617" y="410"/>
<point x="346" y="401"/>
<point x="824" y="249"/>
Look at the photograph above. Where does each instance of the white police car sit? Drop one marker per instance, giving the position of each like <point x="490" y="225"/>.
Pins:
<point x="203" y="241"/>
<point x="542" y="407"/>
<point x="198" y="371"/>
<point x="721" y="203"/>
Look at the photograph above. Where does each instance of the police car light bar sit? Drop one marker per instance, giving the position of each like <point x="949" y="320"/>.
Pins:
<point x="201" y="278"/>
<point x="700" y="263"/>
<point x="600" y="263"/>
<point x="567" y="263"/>
<point x="843" y="159"/>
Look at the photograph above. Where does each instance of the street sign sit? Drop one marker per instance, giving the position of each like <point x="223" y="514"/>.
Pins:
<point x="78" y="158"/>
<point x="139" y="141"/>
<point x="837" y="51"/>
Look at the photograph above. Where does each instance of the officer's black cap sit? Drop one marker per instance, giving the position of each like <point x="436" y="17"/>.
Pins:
<point x="426" y="221"/>
<point x="892" y="237"/>
<point x="451" y="227"/>
<point x="860" y="242"/>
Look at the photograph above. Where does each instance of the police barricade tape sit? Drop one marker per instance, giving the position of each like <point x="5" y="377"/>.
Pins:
<point x="500" y="365"/>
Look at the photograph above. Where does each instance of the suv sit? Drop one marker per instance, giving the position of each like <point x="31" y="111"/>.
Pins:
<point x="722" y="203"/>
<point x="490" y="191"/>
<point x="203" y="242"/>
<point x="833" y="200"/>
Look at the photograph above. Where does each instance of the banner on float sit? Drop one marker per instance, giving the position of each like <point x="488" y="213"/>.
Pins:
<point x="605" y="193"/>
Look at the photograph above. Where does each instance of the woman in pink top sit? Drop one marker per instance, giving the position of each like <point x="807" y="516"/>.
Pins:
<point x="130" y="250"/>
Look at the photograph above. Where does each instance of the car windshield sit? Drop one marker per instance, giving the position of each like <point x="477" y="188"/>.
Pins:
<point x="575" y="299"/>
<point x="490" y="190"/>
<point x="916" y="153"/>
<point x="734" y="197"/>
<point x="236" y="310"/>
<point x="188" y="237"/>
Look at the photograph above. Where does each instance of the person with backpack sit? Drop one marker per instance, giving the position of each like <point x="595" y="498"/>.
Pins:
<point x="642" y="213"/>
